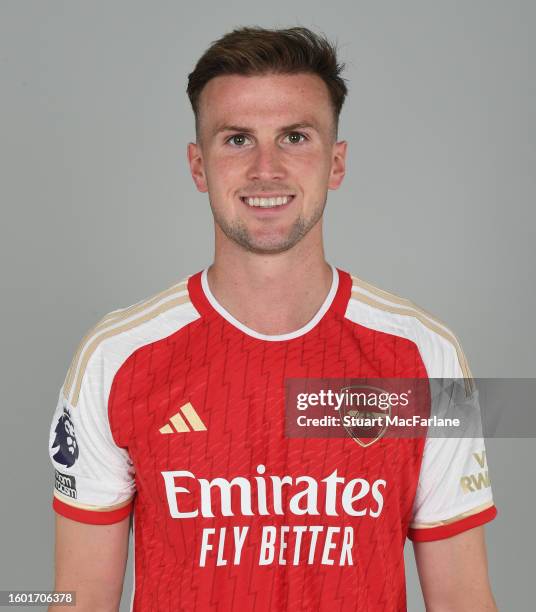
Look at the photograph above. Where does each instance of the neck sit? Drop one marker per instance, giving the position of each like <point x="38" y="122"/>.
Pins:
<point x="273" y="293"/>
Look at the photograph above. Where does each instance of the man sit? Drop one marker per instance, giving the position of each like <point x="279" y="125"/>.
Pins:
<point x="174" y="408"/>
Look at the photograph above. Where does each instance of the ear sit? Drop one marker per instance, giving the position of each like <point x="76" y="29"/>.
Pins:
<point x="197" y="169"/>
<point x="338" y="164"/>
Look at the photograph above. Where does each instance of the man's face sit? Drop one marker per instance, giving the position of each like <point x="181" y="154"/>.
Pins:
<point x="267" y="155"/>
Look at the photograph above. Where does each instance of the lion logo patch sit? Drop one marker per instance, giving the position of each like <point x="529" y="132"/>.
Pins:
<point x="65" y="439"/>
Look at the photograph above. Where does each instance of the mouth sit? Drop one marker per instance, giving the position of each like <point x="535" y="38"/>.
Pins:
<point x="267" y="202"/>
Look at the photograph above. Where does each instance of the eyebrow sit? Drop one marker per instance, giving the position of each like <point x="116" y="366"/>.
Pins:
<point x="247" y="130"/>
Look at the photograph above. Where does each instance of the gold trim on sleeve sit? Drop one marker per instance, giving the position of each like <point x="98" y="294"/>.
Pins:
<point x="92" y="347"/>
<point x="69" y="502"/>
<point x="407" y="308"/>
<point x="111" y="319"/>
<point x="453" y="519"/>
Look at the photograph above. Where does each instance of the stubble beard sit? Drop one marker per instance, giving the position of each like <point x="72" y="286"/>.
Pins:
<point x="238" y="232"/>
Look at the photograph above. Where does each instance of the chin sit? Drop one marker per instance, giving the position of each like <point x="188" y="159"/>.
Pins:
<point x="270" y="246"/>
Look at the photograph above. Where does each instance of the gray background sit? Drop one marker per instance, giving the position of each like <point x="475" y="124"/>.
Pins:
<point x="99" y="211"/>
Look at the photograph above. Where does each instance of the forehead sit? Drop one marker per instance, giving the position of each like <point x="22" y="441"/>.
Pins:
<point x="273" y="97"/>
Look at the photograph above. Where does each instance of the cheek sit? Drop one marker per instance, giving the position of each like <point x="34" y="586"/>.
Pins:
<point x="311" y="161"/>
<point x="222" y="173"/>
<point x="312" y="169"/>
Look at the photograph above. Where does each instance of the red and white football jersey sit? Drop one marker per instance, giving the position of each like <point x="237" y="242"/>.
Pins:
<point x="175" y="411"/>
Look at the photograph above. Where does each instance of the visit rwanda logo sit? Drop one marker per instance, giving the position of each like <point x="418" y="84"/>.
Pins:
<point x="66" y="440"/>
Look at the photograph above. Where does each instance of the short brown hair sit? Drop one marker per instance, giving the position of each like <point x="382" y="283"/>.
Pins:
<point x="258" y="51"/>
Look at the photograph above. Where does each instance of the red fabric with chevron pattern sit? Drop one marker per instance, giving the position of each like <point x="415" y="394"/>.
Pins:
<point x="235" y="383"/>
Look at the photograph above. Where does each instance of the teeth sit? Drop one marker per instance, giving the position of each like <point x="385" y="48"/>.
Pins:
<point x="267" y="202"/>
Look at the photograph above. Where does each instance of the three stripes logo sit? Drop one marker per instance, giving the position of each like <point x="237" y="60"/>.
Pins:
<point x="185" y="419"/>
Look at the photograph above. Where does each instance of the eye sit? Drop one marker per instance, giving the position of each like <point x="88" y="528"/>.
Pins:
<point x="296" y="137"/>
<point x="238" y="140"/>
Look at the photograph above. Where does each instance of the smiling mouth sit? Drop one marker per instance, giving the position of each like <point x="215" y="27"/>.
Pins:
<point x="271" y="202"/>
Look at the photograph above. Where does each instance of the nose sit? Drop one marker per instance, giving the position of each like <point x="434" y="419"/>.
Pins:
<point x="266" y="163"/>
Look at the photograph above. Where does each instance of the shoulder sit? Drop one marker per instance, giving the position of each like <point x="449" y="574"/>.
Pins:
<point x="109" y="343"/>
<point x="387" y="312"/>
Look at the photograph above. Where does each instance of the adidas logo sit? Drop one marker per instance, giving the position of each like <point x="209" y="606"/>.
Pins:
<point x="180" y="421"/>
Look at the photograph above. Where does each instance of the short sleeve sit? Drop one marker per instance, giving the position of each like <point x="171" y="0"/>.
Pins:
<point x="454" y="489"/>
<point x="94" y="477"/>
